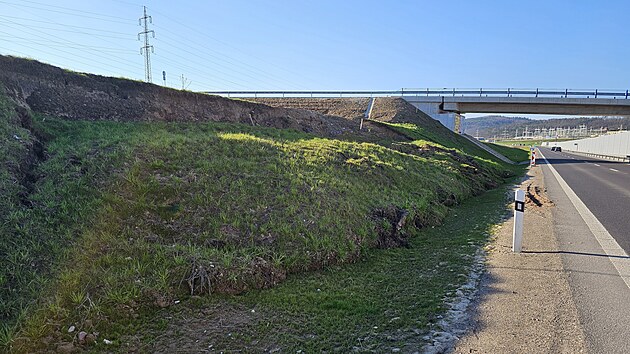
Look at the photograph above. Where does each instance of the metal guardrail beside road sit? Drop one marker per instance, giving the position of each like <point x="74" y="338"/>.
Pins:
<point x="602" y="156"/>
<point x="552" y="93"/>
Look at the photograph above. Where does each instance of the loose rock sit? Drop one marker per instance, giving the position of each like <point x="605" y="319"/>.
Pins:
<point x="82" y="335"/>
<point x="90" y="339"/>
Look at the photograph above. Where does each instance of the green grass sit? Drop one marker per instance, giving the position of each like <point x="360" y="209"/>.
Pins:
<point x="443" y="137"/>
<point x="398" y="289"/>
<point x="388" y="300"/>
<point x="120" y="214"/>
<point x="512" y="153"/>
<point x="526" y="144"/>
<point x="44" y="206"/>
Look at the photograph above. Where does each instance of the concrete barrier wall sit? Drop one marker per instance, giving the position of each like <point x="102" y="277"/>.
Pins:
<point x="612" y="145"/>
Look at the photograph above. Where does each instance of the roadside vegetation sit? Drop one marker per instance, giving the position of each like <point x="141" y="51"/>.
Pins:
<point x="445" y="140"/>
<point x="106" y="224"/>
<point x="387" y="301"/>
<point x="516" y="155"/>
<point x="526" y="144"/>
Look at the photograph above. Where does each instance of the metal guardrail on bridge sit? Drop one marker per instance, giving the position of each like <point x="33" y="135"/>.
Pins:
<point x="552" y="93"/>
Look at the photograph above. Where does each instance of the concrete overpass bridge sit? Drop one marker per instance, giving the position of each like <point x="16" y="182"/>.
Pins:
<point x="447" y="105"/>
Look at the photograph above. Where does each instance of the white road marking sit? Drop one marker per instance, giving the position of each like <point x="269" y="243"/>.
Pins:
<point x="608" y="243"/>
<point x="598" y="165"/>
<point x="612" y="169"/>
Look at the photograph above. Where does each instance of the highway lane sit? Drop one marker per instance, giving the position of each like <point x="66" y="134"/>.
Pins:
<point x="604" y="186"/>
<point x="600" y="292"/>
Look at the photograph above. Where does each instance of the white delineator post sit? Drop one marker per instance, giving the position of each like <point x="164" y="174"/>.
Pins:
<point x="533" y="157"/>
<point x="519" y="210"/>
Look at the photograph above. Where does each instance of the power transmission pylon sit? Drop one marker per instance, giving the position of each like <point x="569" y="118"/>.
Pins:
<point x="185" y="82"/>
<point x="145" y="49"/>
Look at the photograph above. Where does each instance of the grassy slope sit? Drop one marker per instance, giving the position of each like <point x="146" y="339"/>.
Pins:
<point x="446" y="139"/>
<point x="386" y="301"/>
<point x="443" y="138"/>
<point x="526" y="144"/>
<point x="15" y="142"/>
<point x="514" y="154"/>
<point x="44" y="206"/>
<point x="125" y="211"/>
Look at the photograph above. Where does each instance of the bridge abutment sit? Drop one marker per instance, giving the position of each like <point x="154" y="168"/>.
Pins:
<point x="446" y="105"/>
<point x="451" y="120"/>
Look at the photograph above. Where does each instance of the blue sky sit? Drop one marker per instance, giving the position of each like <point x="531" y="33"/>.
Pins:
<point x="333" y="45"/>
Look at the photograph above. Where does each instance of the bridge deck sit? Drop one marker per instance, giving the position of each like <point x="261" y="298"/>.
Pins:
<point x="517" y="101"/>
<point x="554" y="93"/>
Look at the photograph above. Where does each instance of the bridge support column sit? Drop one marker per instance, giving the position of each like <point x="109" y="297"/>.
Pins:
<point x="459" y="123"/>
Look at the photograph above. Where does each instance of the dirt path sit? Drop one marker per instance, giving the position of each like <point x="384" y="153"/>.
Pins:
<point x="525" y="303"/>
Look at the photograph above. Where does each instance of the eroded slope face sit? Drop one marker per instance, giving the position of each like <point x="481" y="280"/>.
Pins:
<point x="76" y="96"/>
<point x="107" y="218"/>
<point x="385" y="109"/>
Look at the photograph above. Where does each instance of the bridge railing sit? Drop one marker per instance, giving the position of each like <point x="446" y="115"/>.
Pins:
<point x="510" y="92"/>
<point x="481" y="92"/>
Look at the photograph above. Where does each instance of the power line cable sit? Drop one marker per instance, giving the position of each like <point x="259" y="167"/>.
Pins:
<point x="66" y="25"/>
<point x="51" y="35"/>
<point x="79" y="12"/>
<point x="89" y="29"/>
<point x="128" y="3"/>
<point x="256" y="70"/>
<point x="78" y="44"/>
<point x="109" y="41"/>
<point x="198" y="72"/>
<point x="74" y="55"/>
<point x="10" y="38"/>
<point x="88" y="34"/>
<point x="28" y="56"/>
<point x="231" y="60"/>
<point x="227" y="44"/>
<point x="73" y="45"/>
<point x="206" y="60"/>
<point x="81" y="46"/>
<point x="91" y="64"/>
<point x="221" y="57"/>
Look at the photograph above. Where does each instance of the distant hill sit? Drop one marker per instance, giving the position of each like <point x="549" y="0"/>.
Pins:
<point x="489" y="126"/>
<point x="486" y="124"/>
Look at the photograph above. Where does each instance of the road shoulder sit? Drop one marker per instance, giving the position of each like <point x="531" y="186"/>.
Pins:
<point x="525" y="303"/>
<point x="599" y="291"/>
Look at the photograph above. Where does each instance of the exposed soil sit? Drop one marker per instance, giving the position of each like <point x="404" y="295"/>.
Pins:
<point x="385" y="109"/>
<point x="34" y="153"/>
<point x="390" y="222"/>
<point x="51" y="90"/>
<point x="213" y="329"/>
<point x="537" y="196"/>
<point x="349" y="108"/>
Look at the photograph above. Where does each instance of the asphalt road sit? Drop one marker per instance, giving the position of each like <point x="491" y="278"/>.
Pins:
<point x="601" y="296"/>
<point x="604" y="186"/>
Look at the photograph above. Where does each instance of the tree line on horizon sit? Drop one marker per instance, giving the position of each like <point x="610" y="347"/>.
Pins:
<point x="495" y="125"/>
